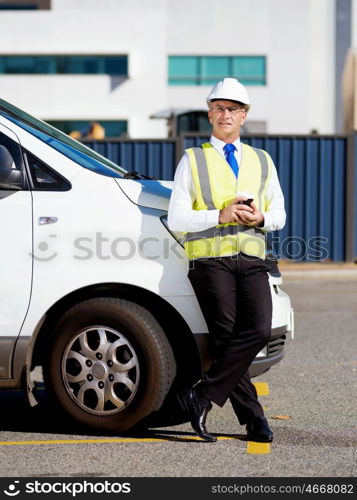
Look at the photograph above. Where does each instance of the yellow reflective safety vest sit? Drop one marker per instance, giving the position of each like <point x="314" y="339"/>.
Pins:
<point x="216" y="187"/>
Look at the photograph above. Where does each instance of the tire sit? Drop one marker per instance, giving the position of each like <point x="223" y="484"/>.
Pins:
<point x="109" y="364"/>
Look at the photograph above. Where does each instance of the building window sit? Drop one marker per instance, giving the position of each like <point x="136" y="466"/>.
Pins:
<point x="193" y="121"/>
<point x="70" y="65"/>
<point x="25" y="5"/>
<point x="91" y="129"/>
<point x="207" y="70"/>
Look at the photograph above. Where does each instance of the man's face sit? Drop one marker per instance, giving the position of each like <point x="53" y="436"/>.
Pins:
<point x="226" y="118"/>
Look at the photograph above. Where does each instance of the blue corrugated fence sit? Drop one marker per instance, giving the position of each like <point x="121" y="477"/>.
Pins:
<point x="151" y="157"/>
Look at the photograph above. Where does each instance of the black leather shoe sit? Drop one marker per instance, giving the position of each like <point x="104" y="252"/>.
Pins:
<point x="259" y="430"/>
<point x="197" y="408"/>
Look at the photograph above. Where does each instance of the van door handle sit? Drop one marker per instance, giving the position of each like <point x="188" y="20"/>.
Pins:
<point x="47" y="220"/>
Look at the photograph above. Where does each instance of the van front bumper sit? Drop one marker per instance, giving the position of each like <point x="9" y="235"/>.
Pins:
<point x="269" y="356"/>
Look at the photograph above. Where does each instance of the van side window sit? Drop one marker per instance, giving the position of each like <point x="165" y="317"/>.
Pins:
<point x="44" y="178"/>
<point x="11" y="164"/>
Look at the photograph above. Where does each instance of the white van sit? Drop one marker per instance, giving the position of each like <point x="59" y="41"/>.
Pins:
<point x="94" y="287"/>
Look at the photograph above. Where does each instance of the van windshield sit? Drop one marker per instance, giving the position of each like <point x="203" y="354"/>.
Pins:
<point x="60" y="141"/>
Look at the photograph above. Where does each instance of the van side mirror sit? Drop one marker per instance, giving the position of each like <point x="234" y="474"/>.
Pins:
<point x="10" y="177"/>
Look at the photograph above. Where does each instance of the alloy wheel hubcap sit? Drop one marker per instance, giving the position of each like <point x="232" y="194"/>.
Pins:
<point x="100" y="370"/>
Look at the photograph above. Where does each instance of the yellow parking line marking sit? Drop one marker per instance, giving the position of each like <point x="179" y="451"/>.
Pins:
<point x="114" y="440"/>
<point x="262" y="388"/>
<point x="258" y="448"/>
<point x="80" y="441"/>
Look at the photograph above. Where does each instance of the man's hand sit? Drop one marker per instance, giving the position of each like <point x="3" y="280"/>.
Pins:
<point x="242" y="214"/>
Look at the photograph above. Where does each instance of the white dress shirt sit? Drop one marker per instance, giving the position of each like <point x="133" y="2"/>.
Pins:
<point x="182" y="217"/>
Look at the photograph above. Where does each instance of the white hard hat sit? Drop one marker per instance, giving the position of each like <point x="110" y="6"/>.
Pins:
<point x="230" y="89"/>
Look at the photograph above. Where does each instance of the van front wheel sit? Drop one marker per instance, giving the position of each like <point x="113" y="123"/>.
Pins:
<point x="109" y="364"/>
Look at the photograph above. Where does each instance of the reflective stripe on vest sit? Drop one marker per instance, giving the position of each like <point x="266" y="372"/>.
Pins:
<point x="214" y="192"/>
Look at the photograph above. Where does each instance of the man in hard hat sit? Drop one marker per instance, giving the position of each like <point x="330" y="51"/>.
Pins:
<point x="225" y="232"/>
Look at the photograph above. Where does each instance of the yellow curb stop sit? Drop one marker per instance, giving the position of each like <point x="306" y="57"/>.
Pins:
<point x="262" y="388"/>
<point x="254" y="448"/>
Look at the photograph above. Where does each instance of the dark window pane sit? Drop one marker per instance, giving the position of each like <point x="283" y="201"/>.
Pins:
<point x="25" y="5"/>
<point x="203" y="124"/>
<point x="11" y="167"/>
<point x="194" y="121"/>
<point x="115" y="129"/>
<point x="18" y="65"/>
<point x="78" y="65"/>
<point x="82" y="65"/>
<point x="7" y="6"/>
<point x="81" y="129"/>
<point x="44" y="178"/>
<point x="115" y="65"/>
<point x="44" y="65"/>
<point x="26" y="65"/>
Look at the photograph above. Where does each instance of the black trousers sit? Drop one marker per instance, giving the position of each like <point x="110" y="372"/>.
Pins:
<point x="235" y="299"/>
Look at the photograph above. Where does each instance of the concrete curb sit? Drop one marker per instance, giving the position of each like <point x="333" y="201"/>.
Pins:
<point x="318" y="271"/>
<point x="302" y="272"/>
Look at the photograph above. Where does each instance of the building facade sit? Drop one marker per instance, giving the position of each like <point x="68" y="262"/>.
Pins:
<point x="119" y="63"/>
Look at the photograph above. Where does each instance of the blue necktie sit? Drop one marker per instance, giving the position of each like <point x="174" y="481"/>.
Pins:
<point x="229" y="152"/>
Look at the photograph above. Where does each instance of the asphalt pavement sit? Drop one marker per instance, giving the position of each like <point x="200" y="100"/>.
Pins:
<point x="312" y="408"/>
